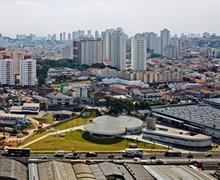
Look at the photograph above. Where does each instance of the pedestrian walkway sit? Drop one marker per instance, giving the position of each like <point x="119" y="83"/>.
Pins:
<point x="52" y="134"/>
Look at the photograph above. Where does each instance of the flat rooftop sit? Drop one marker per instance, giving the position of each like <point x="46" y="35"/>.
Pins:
<point x="103" y="129"/>
<point x="128" y="122"/>
<point x="215" y="100"/>
<point x="170" y="172"/>
<point x="9" y="115"/>
<point x="162" y="130"/>
<point x="198" y="114"/>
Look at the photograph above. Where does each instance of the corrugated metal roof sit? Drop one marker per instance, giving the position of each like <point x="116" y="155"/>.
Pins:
<point x="83" y="171"/>
<point x="45" y="171"/>
<point x="33" y="171"/>
<point x="138" y="172"/>
<point x="161" y="172"/>
<point x="63" y="171"/>
<point x="56" y="170"/>
<point x="97" y="172"/>
<point x="12" y="169"/>
<point x="110" y="169"/>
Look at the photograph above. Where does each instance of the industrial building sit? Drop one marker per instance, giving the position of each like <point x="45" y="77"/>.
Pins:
<point x="205" y="119"/>
<point x="27" y="108"/>
<point x="215" y="102"/>
<point x="12" y="170"/>
<point x="55" y="170"/>
<point x="170" y="172"/>
<point x="11" y="122"/>
<point x="177" y="137"/>
<point x="61" y="170"/>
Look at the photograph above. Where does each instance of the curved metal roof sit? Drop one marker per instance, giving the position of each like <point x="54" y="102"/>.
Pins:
<point x="110" y="125"/>
<point x="127" y="122"/>
<point x="103" y="129"/>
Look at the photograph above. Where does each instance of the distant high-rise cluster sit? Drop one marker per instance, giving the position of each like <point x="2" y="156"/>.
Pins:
<point x="17" y="68"/>
<point x="163" y="45"/>
<point x="111" y="47"/>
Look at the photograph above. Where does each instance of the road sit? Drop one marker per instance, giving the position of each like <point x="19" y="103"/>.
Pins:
<point x="215" y="155"/>
<point x="209" y="163"/>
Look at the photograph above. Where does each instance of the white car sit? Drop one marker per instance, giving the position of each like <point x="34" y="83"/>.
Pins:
<point x="161" y="161"/>
<point x="136" y="159"/>
<point x="119" y="157"/>
<point x="208" y="154"/>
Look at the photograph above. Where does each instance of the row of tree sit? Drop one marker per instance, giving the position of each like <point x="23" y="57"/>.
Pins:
<point x="125" y="105"/>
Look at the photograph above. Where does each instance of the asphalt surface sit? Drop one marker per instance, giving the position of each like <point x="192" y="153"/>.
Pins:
<point x="215" y="155"/>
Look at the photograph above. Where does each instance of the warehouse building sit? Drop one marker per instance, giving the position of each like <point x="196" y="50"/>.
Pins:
<point x="12" y="170"/>
<point x="60" y="170"/>
<point x="55" y="170"/>
<point x="13" y="122"/>
<point x="215" y="102"/>
<point x="83" y="171"/>
<point x="169" y="172"/>
<point x="205" y="118"/>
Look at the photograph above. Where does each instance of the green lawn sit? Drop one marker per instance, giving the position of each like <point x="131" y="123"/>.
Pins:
<point x="36" y="136"/>
<point x="75" y="141"/>
<point x="76" y="122"/>
<point x="72" y="123"/>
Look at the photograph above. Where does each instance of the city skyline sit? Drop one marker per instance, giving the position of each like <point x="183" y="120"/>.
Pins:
<point x="42" y="17"/>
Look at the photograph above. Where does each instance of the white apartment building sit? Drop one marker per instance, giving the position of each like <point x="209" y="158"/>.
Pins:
<point x="106" y="44"/>
<point x="28" y="72"/>
<point x="165" y="40"/>
<point x="7" y="76"/>
<point x="118" y="50"/>
<point x="157" y="76"/>
<point x="67" y="52"/>
<point x="175" y="41"/>
<point x="91" y="51"/>
<point x="138" y="52"/>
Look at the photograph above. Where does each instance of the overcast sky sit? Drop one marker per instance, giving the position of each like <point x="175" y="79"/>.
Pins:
<point x="54" y="16"/>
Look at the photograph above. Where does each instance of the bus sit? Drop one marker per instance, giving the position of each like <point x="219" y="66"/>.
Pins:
<point x="173" y="154"/>
<point x="15" y="152"/>
<point x="133" y="152"/>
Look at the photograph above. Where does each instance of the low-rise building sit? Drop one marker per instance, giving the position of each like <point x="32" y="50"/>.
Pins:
<point x="107" y="73"/>
<point x="146" y="94"/>
<point x="59" y="99"/>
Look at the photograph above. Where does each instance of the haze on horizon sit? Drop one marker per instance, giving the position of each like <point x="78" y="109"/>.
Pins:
<point x="49" y="16"/>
